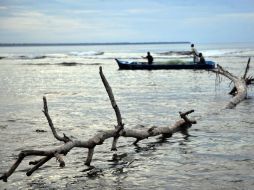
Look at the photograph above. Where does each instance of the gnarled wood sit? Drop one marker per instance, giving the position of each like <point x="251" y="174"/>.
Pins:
<point x="180" y="126"/>
<point x="240" y="85"/>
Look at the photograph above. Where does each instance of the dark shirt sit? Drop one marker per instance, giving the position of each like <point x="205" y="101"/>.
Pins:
<point x="202" y="60"/>
<point x="150" y="59"/>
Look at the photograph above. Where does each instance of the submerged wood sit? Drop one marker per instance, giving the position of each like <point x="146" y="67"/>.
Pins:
<point x="239" y="90"/>
<point x="181" y="126"/>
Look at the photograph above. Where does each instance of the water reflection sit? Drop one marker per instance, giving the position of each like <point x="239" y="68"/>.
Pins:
<point x="218" y="155"/>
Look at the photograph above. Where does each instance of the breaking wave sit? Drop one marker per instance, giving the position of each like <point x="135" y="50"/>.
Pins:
<point x="69" y="63"/>
<point x="65" y="63"/>
<point x="211" y="53"/>
<point x="54" y="55"/>
<point x="77" y="63"/>
<point x="168" y="53"/>
<point x="86" y="53"/>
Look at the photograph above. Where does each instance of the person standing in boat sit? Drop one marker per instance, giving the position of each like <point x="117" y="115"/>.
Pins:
<point x="201" y="59"/>
<point x="149" y="58"/>
<point x="194" y="53"/>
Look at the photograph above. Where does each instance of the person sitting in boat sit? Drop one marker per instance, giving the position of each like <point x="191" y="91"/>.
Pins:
<point x="194" y="53"/>
<point x="201" y="59"/>
<point x="149" y="58"/>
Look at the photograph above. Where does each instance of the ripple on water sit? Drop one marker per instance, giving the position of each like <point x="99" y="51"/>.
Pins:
<point x="218" y="155"/>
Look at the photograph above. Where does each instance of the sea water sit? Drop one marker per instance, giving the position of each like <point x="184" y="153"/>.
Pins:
<point x="218" y="155"/>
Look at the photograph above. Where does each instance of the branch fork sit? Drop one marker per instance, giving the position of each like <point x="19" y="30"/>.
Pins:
<point x="239" y="90"/>
<point x="181" y="126"/>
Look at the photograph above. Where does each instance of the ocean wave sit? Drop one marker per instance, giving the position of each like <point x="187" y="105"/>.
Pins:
<point x="77" y="63"/>
<point x="53" y="55"/>
<point x="77" y="56"/>
<point x="168" y="53"/>
<point x="229" y="56"/>
<point x="219" y="53"/>
<point x="33" y="57"/>
<point x="72" y="63"/>
<point x="30" y="57"/>
<point x="228" y="52"/>
<point x="39" y="64"/>
<point x="93" y="64"/>
<point x="86" y="53"/>
<point x="40" y="57"/>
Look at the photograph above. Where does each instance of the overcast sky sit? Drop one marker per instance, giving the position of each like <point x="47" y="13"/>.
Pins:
<point x="53" y="21"/>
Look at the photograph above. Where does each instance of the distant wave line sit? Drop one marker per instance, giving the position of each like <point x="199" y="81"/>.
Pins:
<point x="63" y="64"/>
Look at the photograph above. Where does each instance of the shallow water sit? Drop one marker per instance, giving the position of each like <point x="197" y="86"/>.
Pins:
<point x="218" y="155"/>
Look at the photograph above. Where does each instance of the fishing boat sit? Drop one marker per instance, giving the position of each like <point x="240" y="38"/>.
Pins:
<point x="174" y="64"/>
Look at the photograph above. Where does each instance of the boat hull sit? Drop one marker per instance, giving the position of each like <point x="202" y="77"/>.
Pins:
<point x="142" y="66"/>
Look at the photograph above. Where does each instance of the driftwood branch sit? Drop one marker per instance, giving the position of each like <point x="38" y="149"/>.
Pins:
<point x="248" y="80"/>
<point x="220" y="70"/>
<point x="246" y="69"/>
<point x="120" y="124"/>
<point x="181" y="126"/>
<point x="51" y="125"/>
<point x="239" y="90"/>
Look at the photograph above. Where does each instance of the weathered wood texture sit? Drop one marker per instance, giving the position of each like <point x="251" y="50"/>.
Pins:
<point x="239" y="90"/>
<point x="181" y="126"/>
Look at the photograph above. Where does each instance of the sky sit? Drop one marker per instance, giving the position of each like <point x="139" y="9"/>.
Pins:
<point x="100" y="21"/>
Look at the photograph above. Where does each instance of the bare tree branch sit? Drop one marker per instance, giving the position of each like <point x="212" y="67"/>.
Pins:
<point x="246" y="69"/>
<point x="120" y="124"/>
<point x="98" y="139"/>
<point x="45" y="111"/>
<point x="180" y="126"/>
<point x="39" y="164"/>
<point x="239" y="90"/>
<point x="220" y="70"/>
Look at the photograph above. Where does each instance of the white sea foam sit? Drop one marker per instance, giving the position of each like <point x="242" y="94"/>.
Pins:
<point x="86" y="53"/>
<point x="121" y="52"/>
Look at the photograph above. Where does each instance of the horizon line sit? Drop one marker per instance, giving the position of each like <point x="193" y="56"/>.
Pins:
<point x="89" y="43"/>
